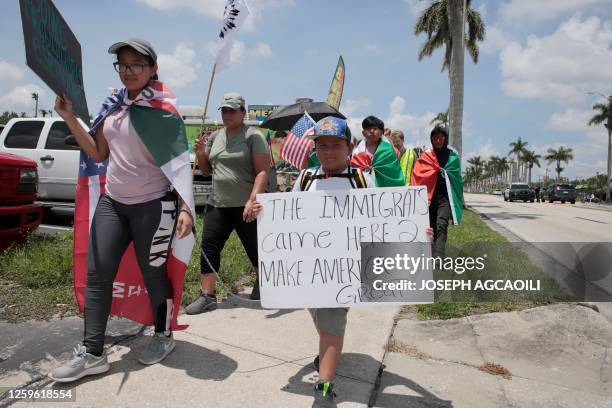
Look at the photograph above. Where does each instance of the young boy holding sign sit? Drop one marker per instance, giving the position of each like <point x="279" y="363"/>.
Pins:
<point x="333" y="149"/>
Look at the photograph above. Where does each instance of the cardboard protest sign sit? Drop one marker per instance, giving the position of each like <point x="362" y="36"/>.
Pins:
<point x="53" y="52"/>
<point x="310" y="243"/>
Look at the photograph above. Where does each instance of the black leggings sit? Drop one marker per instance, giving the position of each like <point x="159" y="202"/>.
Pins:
<point x="219" y="222"/>
<point x="150" y="226"/>
<point x="439" y="215"/>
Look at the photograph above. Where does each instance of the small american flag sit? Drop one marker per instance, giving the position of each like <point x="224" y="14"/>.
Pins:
<point x="297" y="145"/>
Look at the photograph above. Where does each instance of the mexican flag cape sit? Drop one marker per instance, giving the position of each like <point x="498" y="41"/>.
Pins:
<point x="158" y="124"/>
<point x="384" y="164"/>
<point x="425" y="173"/>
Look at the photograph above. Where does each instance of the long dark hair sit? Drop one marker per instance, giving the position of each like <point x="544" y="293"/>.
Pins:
<point x="152" y="63"/>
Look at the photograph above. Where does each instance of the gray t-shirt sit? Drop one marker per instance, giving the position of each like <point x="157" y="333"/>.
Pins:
<point x="231" y="159"/>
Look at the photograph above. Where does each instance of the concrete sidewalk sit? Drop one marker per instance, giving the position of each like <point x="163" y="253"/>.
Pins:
<point x="556" y="356"/>
<point x="237" y="356"/>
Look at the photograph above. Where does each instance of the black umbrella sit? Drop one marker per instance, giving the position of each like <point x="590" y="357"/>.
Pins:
<point x="285" y="117"/>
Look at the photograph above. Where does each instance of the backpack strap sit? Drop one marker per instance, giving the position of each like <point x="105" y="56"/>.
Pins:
<point x="357" y="178"/>
<point x="307" y="179"/>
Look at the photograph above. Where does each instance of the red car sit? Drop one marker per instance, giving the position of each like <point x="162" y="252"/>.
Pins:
<point x="19" y="215"/>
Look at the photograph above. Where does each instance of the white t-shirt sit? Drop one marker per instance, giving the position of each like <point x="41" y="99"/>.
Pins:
<point x="329" y="183"/>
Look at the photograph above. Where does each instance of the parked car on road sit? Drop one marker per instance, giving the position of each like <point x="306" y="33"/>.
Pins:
<point x="497" y="192"/>
<point x="49" y="143"/>
<point x="519" y="191"/>
<point x="19" y="215"/>
<point x="560" y="192"/>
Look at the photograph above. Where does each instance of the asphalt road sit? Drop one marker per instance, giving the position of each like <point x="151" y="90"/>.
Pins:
<point x="572" y="243"/>
<point x="546" y="222"/>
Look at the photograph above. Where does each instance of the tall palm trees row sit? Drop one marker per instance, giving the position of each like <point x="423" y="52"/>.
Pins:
<point x="484" y="175"/>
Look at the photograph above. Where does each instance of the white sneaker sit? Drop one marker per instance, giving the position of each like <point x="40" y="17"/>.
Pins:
<point x="158" y="348"/>
<point x="81" y="365"/>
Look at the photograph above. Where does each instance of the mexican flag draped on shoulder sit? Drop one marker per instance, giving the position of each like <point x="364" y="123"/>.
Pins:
<point x="159" y="126"/>
<point x="426" y="170"/>
<point x="383" y="164"/>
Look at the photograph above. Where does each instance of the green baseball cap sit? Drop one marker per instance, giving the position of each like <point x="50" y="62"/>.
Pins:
<point x="232" y="100"/>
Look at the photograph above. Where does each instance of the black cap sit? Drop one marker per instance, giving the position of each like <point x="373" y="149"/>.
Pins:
<point x="142" y="46"/>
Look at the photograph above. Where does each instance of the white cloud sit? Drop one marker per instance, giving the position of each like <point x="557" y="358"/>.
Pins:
<point x="20" y="98"/>
<point x="495" y="40"/>
<point x="417" y="6"/>
<point x="571" y="120"/>
<point x="10" y="72"/>
<point x="214" y="8"/>
<point x="416" y="128"/>
<point x="349" y="106"/>
<point x="355" y="125"/>
<point x="560" y="67"/>
<point x="531" y="11"/>
<point x="179" y="69"/>
<point x="263" y="50"/>
<point x="240" y="52"/>
<point x="589" y="157"/>
<point x="485" y="151"/>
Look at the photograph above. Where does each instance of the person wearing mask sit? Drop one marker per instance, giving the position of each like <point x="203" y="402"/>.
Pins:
<point x="440" y="170"/>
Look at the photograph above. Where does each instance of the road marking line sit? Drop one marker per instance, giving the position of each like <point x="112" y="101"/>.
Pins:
<point x="587" y="219"/>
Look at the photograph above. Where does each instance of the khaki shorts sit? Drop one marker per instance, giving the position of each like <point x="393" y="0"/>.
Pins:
<point x="330" y="320"/>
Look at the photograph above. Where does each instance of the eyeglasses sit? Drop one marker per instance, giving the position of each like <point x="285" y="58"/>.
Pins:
<point x="134" y="68"/>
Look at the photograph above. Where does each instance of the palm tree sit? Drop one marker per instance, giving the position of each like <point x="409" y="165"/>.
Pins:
<point x="518" y="148"/>
<point x="604" y="115"/>
<point x="443" y="22"/>
<point x="560" y="155"/>
<point x="440" y="119"/>
<point x="477" y="163"/>
<point x="504" y="166"/>
<point x="530" y="158"/>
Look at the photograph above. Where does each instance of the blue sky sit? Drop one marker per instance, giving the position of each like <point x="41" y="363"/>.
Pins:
<point x="538" y="62"/>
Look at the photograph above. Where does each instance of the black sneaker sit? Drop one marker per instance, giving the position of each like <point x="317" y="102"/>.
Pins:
<point x="255" y="292"/>
<point x="324" y="395"/>
<point x="315" y="363"/>
<point x="204" y="303"/>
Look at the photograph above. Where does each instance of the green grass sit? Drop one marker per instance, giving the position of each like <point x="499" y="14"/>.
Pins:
<point x="503" y="261"/>
<point x="235" y="270"/>
<point x="36" y="278"/>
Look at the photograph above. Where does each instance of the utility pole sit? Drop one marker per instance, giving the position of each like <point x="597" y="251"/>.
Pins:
<point x="35" y="97"/>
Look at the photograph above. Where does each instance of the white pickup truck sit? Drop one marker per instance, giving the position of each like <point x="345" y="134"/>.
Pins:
<point x="49" y="143"/>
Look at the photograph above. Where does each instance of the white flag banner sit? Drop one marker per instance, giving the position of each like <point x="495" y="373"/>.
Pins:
<point x="234" y="15"/>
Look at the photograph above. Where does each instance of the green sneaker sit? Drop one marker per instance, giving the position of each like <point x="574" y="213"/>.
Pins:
<point x="81" y="365"/>
<point x="324" y="395"/>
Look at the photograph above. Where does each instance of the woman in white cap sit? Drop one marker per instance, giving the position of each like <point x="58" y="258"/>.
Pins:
<point x="137" y="205"/>
<point x="237" y="156"/>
